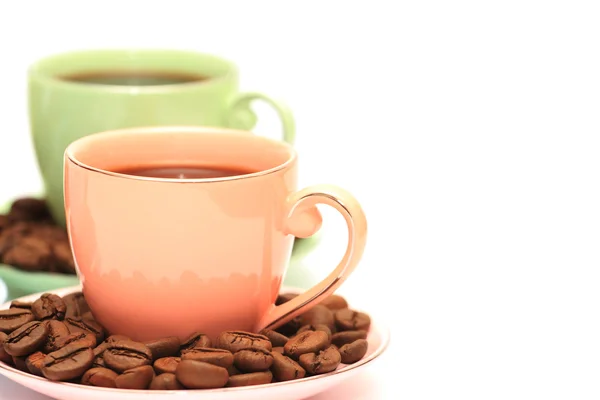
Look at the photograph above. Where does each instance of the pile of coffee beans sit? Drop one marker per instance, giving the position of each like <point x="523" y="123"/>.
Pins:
<point x="59" y="339"/>
<point x="30" y="240"/>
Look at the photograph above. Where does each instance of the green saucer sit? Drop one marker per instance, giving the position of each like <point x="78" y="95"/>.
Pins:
<point x="21" y="283"/>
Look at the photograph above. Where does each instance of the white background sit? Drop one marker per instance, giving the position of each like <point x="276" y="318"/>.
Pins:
<point x="468" y="130"/>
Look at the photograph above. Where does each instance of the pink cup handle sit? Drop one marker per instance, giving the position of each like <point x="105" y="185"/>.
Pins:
<point x="352" y="212"/>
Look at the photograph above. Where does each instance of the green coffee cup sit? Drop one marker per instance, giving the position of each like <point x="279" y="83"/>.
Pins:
<point x="75" y="94"/>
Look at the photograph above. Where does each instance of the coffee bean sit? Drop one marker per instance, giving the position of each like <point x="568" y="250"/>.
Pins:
<point x="166" y="364"/>
<point x="255" y="378"/>
<point x="84" y="337"/>
<point x="342" y="338"/>
<point x="99" y="362"/>
<point x="219" y="357"/>
<point x="277" y="350"/>
<point x="100" y="377"/>
<point x="233" y="371"/>
<point x="196" y="339"/>
<point x="334" y="302"/>
<point x="238" y="340"/>
<point x="320" y="327"/>
<point x="87" y="315"/>
<point x="29" y="253"/>
<point x="99" y="350"/>
<point x="27" y="339"/>
<point x="253" y="360"/>
<point x="57" y="330"/>
<point x="49" y="306"/>
<point x="20" y="363"/>
<point x="136" y="378"/>
<point x="306" y="342"/>
<point x="14" y="318"/>
<point x="200" y="375"/>
<point x="123" y="355"/>
<point x="318" y="315"/>
<point x="290" y="328"/>
<point x="325" y="361"/>
<point x="28" y="209"/>
<point x="350" y="320"/>
<point x="34" y="363"/>
<point x="116" y="338"/>
<point x="86" y="325"/>
<point x="68" y="363"/>
<point x="354" y="351"/>
<point x="20" y="304"/>
<point x="284" y="298"/>
<point x="286" y="369"/>
<point x="4" y="356"/>
<point x="276" y="338"/>
<point x="165" y="347"/>
<point x="165" y="382"/>
<point x="76" y="305"/>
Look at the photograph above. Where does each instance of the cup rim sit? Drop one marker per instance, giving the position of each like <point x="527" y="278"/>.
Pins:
<point x="37" y="71"/>
<point x="70" y="152"/>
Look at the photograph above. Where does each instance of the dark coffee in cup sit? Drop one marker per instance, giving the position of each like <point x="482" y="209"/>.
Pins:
<point x="184" y="171"/>
<point x="133" y="78"/>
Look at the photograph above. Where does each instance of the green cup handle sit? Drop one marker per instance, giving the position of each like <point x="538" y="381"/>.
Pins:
<point x="241" y="116"/>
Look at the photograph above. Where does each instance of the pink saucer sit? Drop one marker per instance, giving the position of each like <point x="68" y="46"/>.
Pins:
<point x="299" y="389"/>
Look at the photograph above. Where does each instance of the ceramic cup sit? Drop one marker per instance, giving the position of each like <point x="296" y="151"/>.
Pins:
<point x="166" y="257"/>
<point x="64" y="110"/>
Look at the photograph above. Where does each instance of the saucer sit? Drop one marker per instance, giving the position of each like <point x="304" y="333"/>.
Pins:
<point x="378" y="339"/>
<point x="21" y="283"/>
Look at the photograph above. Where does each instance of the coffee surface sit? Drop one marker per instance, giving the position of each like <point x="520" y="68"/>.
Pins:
<point x="184" y="172"/>
<point x="133" y="78"/>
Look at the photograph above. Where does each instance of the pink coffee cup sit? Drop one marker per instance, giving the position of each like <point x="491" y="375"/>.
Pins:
<point x="164" y="257"/>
